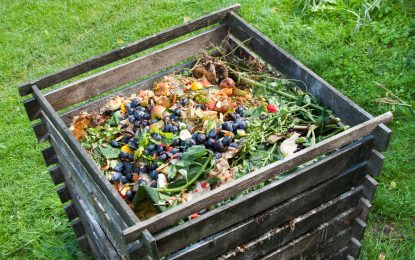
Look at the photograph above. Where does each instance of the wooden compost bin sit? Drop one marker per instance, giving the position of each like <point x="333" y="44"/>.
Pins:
<point x="318" y="211"/>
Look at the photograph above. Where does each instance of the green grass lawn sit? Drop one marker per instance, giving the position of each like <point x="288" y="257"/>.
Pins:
<point x="352" y="51"/>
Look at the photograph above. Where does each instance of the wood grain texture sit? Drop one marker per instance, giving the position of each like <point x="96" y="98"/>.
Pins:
<point x="82" y="186"/>
<point x="56" y="174"/>
<point x="85" y="160"/>
<point x="278" y="215"/>
<point x="102" y="247"/>
<point x="268" y="196"/>
<point x="127" y="50"/>
<point x="56" y="125"/>
<point x="292" y="68"/>
<point x="331" y="246"/>
<point x="228" y="190"/>
<point x="94" y="106"/>
<point x="313" y="238"/>
<point x="98" y="83"/>
<point x="276" y="237"/>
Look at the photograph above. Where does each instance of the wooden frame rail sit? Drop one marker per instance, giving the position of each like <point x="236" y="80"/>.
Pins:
<point x="127" y="50"/>
<point x="228" y="190"/>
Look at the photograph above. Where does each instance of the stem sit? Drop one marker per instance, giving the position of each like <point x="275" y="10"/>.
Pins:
<point x="178" y="189"/>
<point x="269" y="154"/>
<point x="282" y="93"/>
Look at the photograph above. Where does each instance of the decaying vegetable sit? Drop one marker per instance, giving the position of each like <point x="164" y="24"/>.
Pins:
<point x="191" y="134"/>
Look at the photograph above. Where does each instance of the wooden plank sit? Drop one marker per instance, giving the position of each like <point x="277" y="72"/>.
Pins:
<point x="331" y="246"/>
<point x="83" y="243"/>
<point x="70" y="211"/>
<point x="358" y="228"/>
<point x="365" y="208"/>
<point x="56" y="174"/>
<point x="86" y="162"/>
<point x="32" y="108"/>
<point x="275" y="237"/>
<point x="268" y="196"/>
<point x="230" y="189"/>
<point x="354" y="247"/>
<point x="98" y="83"/>
<point x="81" y="185"/>
<point x="63" y="193"/>
<point x="370" y="187"/>
<point x="49" y="156"/>
<point x="91" y="169"/>
<point x="292" y="68"/>
<point x="341" y="254"/>
<point x="127" y="50"/>
<point x="40" y="131"/>
<point x="311" y="239"/>
<point x="78" y="228"/>
<point x="278" y="215"/>
<point x="102" y="247"/>
<point x="375" y="163"/>
<point x="95" y="105"/>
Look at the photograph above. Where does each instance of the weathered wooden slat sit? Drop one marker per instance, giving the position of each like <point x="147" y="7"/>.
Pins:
<point x="125" y="73"/>
<point x="91" y="169"/>
<point x="78" y="228"/>
<point x="313" y="238"/>
<point x="370" y="187"/>
<point x="278" y="215"/>
<point x="365" y="208"/>
<point x="108" y="218"/>
<point x="375" y="163"/>
<point x="95" y="105"/>
<point x="354" y="247"/>
<point x="292" y="68"/>
<point x="63" y="193"/>
<point x="102" y="246"/>
<point x="40" y="131"/>
<point x="32" y="108"/>
<point x="358" y="228"/>
<point x="49" y="156"/>
<point x="70" y="211"/>
<point x="83" y="243"/>
<point x="341" y="254"/>
<point x="331" y="246"/>
<point x="128" y="50"/>
<point x="299" y="225"/>
<point x="224" y="192"/>
<point x="270" y="195"/>
<point x="56" y="174"/>
<point x="80" y="153"/>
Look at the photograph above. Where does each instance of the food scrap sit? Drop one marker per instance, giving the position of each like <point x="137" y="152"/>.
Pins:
<point x="200" y="128"/>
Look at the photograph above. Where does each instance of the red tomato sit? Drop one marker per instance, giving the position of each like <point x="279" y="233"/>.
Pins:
<point x="271" y="108"/>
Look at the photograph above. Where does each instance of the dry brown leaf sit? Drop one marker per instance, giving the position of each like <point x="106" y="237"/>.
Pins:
<point x="79" y="125"/>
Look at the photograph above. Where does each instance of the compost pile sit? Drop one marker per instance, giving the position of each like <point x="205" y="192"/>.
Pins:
<point x="200" y="128"/>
